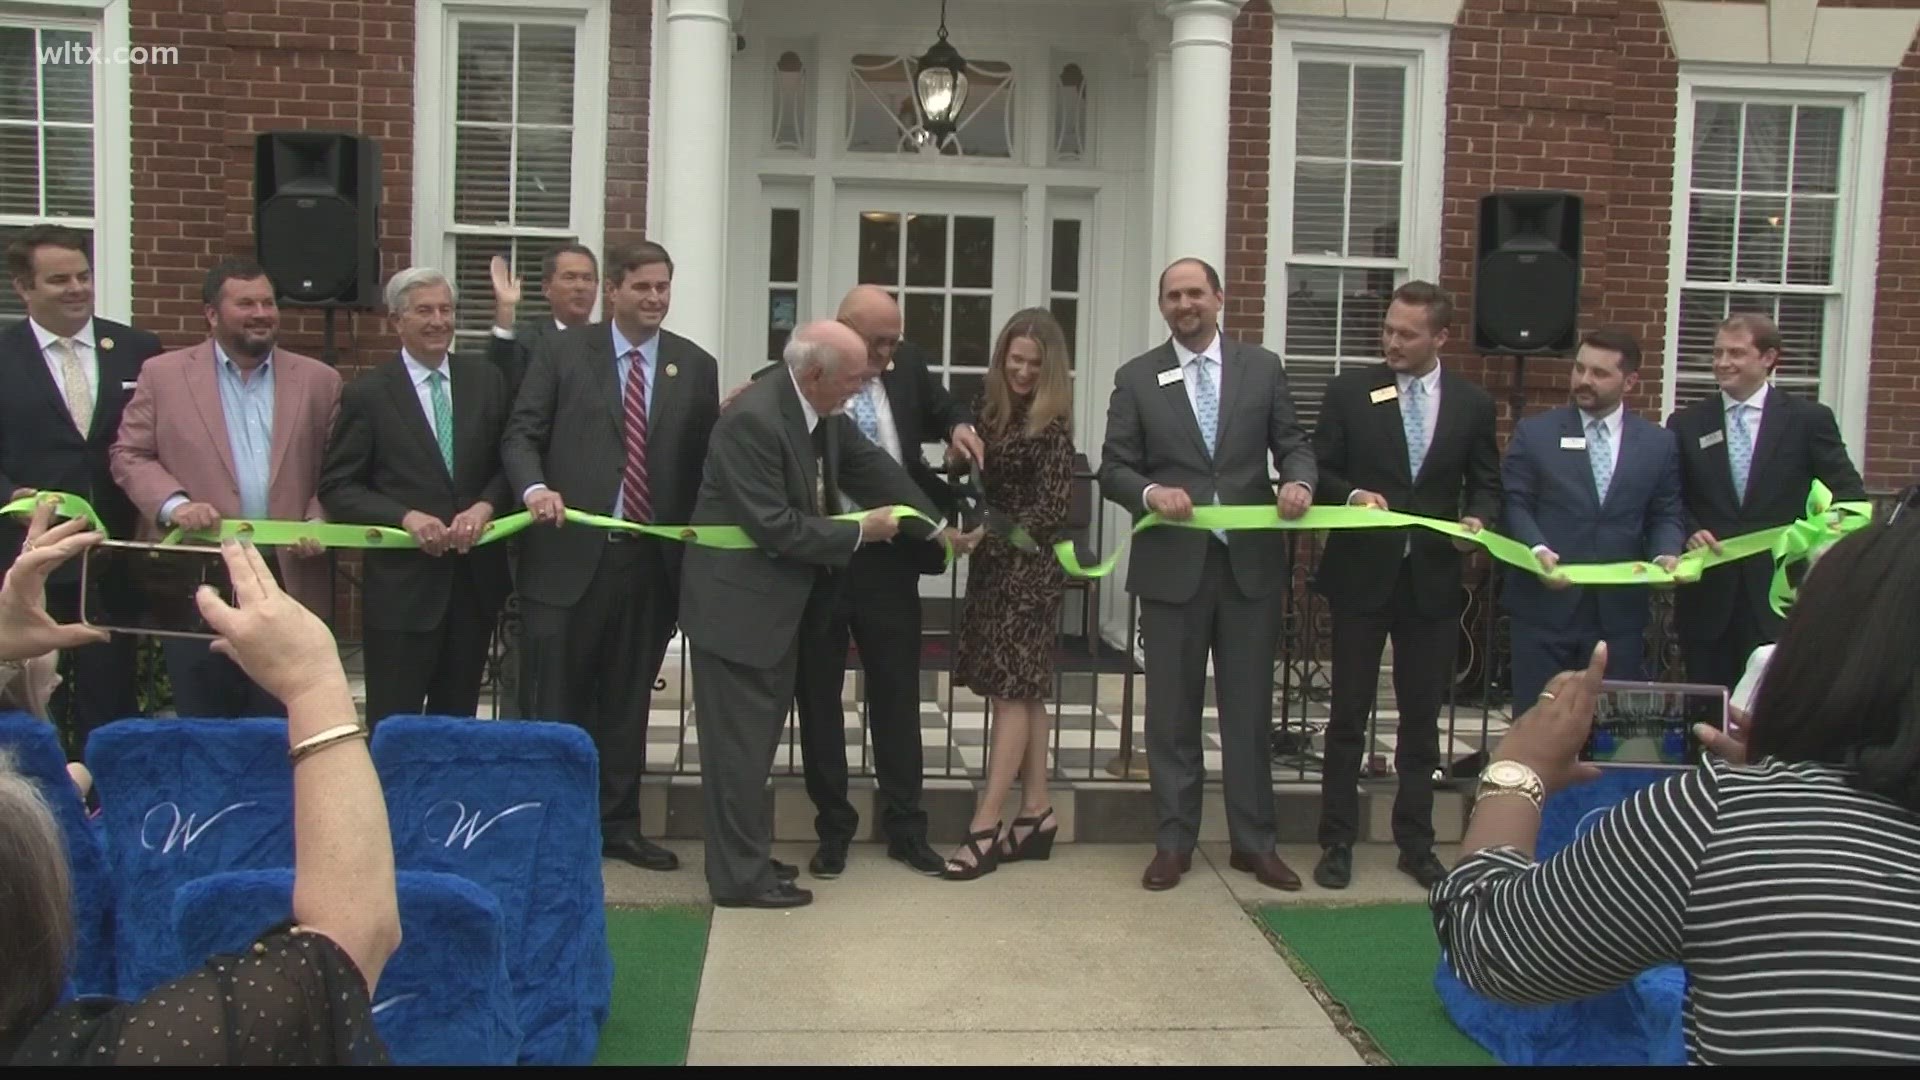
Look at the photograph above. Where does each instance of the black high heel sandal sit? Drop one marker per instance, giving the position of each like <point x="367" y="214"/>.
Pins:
<point x="1036" y="845"/>
<point x="986" y="856"/>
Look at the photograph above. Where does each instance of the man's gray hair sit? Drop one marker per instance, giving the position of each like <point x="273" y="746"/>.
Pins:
<point x="804" y="354"/>
<point x="415" y="277"/>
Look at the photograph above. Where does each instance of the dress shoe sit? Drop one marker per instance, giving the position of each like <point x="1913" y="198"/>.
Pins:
<point x="1267" y="868"/>
<point x="641" y="852"/>
<point x="830" y="861"/>
<point x="784" y="871"/>
<point x="1423" y="868"/>
<point x="919" y="855"/>
<point x="784" y="895"/>
<point x="1165" y="870"/>
<point x="1335" y="870"/>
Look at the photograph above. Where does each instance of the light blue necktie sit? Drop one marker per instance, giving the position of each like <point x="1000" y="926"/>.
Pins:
<point x="1413" y="419"/>
<point x="1600" y="456"/>
<point x="1207" y="397"/>
<point x="864" y="414"/>
<point x="1739" y="448"/>
<point x="442" y="416"/>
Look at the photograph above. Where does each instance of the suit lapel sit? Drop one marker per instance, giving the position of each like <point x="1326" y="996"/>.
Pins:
<point x="1175" y="393"/>
<point x="1719" y="458"/>
<point x="901" y="402"/>
<point x="1573" y="425"/>
<point x="1392" y="420"/>
<point x="797" y="435"/>
<point x="664" y="410"/>
<point x="1774" y="420"/>
<point x="606" y="375"/>
<point x="407" y="400"/>
<point x="31" y="365"/>
<point x="106" y="401"/>
<point x="289" y="393"/>
<point x="203" y="386"/>
<point x="1232" y="375"/>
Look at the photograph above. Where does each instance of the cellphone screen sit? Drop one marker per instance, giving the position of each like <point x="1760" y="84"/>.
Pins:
<point x="1646" y="723"/>
<point x="149" y="589"/>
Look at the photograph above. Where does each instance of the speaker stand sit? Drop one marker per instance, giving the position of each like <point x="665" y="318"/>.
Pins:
<point x="327" y="350"/>
<point x="1517" y="402"/>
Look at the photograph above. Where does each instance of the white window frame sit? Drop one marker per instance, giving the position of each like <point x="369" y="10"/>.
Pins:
<point x="435" y="72"/>
<point x="1421" y="46"/>
<point x="112" y="222"/>
<point x="1846" y="361"/>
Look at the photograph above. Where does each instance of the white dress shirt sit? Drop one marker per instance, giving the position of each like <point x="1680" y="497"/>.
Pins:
<point x="1615" y="423"/>
<point x="82" y="347"/>
<point x="1757" y="401"/>
<point x="420" y="373"/>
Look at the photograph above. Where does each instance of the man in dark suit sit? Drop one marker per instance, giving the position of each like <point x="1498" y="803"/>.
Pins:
<point x="1191" y="423"/>
<point x="569" y="279"/>
<point x="783" y="455"/>
<point x="1408" y="436"/>
<point x="417" y="447"/>
<point x="899" y="406"/>
<point x="1748" y="456"/>
<point x="612" y="419"/>
<point x="1589" y="482"/>
<point x="67" y="375"/>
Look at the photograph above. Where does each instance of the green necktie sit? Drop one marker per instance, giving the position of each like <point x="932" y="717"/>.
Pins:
<point x="442" y="416"/>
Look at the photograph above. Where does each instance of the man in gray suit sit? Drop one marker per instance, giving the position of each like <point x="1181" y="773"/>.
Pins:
<point x="781" y="457"/>
<point x="612" y="419"/>
<point x="1193" y="422"/>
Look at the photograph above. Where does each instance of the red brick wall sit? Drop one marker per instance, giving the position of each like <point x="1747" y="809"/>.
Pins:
<point x="1580" y="95"/>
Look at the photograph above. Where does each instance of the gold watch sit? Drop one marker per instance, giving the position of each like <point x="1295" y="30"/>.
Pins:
<point x="1511" y="778"/>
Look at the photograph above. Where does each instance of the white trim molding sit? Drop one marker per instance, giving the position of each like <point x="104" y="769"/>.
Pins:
<point x="1789" y="32"/>
<point x="1432" y="12"/>
<point x="112" y="225"/>
<point x="1422" y="49"/>
<point x="1846" y="351"/>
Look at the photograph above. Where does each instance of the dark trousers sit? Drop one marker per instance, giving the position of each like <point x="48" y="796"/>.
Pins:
<point x="1722" y="660"/>
<point x="1423" y="657"/>
<point x="1242" y="634"/>
<point x="594" y="663"/>
<point x="741" y="713"/>
<point x="1539" y="654"/>
<point x="437" y="671"/>
<point x="100" y="686"/>
<point x="207" y="685"/>
<point x="878" y="609"/>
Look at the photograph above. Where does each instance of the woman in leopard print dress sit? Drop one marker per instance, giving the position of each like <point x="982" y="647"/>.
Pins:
<point x="1012" y="613"/>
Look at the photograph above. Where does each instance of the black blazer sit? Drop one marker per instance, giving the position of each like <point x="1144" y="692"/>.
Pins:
<point x="382" y="461"/>
<point x="567" y="432"/>
<point x="1361" y="443"/>
<point x="923" y="412"/>
<point x="513" y="358"/>
<point x="39" y="446"/>
<point x="1798" y="442"/>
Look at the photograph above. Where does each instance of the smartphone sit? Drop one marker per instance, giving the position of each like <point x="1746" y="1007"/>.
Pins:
<point x="152" y="586"/>
<point x="1649" y="723"/>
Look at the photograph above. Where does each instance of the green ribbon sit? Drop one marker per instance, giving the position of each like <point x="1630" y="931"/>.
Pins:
<point x="288" y="533"/>
<point x="1824" y="520"/>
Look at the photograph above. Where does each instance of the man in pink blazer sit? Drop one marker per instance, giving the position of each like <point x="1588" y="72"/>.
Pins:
<point x="231" y="428"/>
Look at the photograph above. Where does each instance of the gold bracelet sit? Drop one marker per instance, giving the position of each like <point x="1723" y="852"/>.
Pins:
<point x="329" y="737"/>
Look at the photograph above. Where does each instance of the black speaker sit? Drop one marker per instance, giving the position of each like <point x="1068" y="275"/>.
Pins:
<point x="316" y="199"/>
<point x="1526" y="280"/>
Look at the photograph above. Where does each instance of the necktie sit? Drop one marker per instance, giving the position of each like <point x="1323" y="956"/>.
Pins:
<point x="865" y="415"/>
<point x="1413" y="418"/>
<point x="636" y="500"/>
<point x="1739" y="448"/>
<point x="73" y="377"/>
<point x="442" y="416"/>
<point x="1600" y="456"/>
<point x="1207" y="397"/>
<point x="820" y="467"/>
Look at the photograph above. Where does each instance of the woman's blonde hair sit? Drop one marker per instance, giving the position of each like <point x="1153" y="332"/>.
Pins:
<point x="34" y="904"/>
<point x="1052" y="393"/>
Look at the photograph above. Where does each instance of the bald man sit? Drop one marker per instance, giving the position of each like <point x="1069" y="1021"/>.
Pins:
<point x="782" y="459"/>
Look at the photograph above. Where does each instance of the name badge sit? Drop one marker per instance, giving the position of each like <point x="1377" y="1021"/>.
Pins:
<point x="1171" y="376"/>
<point x="1573" y="442"/>
<point x="1712" y="438"/>
<point x="1385" y="393"/>
<point x="128" y="385"/>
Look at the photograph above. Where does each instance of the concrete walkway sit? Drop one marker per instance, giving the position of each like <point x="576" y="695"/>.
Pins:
<point x="1064" y="962"/>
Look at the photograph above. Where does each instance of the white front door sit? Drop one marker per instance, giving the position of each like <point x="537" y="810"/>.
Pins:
<point x="951" y="259"/>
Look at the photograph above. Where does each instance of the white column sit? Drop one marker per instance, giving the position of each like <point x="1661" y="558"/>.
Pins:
<point x="1201" y="72"/>
<point x="689" y="172"/>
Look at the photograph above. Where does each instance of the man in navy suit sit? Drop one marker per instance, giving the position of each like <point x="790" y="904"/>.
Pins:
<point x="1589" y="482"/>
<point x="67" y="375"/>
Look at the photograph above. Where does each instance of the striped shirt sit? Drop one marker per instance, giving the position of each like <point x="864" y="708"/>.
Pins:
<point x="1791" y="899"/>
